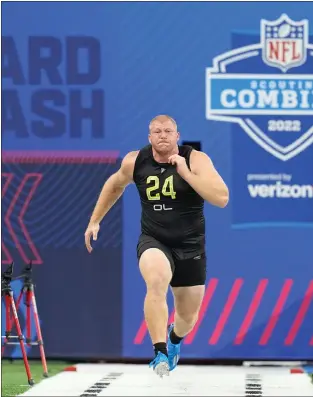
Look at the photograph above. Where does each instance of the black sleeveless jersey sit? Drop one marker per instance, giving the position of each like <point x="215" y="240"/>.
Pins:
<point x="172" y="212"/>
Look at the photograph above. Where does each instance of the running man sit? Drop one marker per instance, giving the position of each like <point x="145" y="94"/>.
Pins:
<point x="173" y="182"/>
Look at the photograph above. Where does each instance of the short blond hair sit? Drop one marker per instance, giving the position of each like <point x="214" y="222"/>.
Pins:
<point x="163" y="118"/>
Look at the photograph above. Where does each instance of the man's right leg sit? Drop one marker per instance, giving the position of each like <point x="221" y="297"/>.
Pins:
<point x="156" y="271"/>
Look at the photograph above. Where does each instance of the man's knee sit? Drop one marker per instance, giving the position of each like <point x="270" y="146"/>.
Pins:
<point x="189" y="318"/>
<point x="157" y="286"/>
<point x="156" y="271"/>
<point x="188" y="303"/>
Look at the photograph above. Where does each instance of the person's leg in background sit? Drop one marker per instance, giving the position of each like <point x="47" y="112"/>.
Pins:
<point x="156" y="271"/>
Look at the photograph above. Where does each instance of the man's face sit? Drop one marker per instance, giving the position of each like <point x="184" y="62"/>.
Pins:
<point x="163" y="136"/>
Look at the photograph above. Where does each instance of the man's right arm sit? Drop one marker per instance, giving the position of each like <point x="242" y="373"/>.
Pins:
<point x="110" y="193"/>
<point x="114" y="187"/>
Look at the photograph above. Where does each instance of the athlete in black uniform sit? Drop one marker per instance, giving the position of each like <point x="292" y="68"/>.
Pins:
<point x="173" y="182"/>
<point x="172" y="217"/>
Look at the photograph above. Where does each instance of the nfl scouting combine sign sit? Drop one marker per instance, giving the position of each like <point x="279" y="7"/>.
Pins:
<point x="264" y="87"/>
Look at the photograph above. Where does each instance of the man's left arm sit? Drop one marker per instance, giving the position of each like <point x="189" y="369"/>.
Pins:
<point x="203" y="178"/>
<point x="206" y="181"/>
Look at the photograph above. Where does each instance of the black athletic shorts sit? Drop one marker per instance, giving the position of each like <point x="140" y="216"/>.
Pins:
<point x="188" y="268"/>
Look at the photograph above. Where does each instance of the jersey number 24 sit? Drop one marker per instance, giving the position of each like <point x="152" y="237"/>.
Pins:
<point x="167" y="188"/>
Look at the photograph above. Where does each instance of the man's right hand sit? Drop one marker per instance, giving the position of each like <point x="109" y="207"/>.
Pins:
<point x="92" y="230"/>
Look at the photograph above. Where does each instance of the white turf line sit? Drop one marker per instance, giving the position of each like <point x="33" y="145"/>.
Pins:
<point x="139" y="380"/>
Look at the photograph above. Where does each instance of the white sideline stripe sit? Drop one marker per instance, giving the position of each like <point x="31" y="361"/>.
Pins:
<point x="139" y="380"/>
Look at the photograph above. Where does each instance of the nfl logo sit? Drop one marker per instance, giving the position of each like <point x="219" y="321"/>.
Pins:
<point x="284" y="42"/>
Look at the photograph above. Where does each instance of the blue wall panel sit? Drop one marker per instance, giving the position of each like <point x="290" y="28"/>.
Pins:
<point x="86" y="77"/>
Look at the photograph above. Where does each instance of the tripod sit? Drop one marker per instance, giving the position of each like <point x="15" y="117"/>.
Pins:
<point x="7" y="292"/>
<point x="29" y="298"/>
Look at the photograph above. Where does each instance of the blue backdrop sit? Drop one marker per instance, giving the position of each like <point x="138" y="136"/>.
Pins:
<point x="80" y="82"/>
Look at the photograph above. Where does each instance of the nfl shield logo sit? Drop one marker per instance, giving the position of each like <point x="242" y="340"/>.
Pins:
<point x="284" y="42"/>
<point x="273" y="108"/>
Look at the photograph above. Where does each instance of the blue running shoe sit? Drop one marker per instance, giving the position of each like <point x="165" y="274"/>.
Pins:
<point x="160" y="365"/>
<point x="172" y="350"/>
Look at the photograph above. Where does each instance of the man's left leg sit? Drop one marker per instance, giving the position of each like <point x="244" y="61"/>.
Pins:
<point x="187" y="305"/>
<point x="188" y="287"/>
